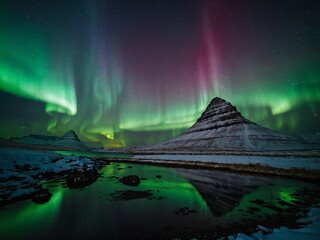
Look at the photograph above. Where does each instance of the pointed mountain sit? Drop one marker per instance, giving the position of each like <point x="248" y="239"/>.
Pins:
<point x="222" y="127"/>
<point x="71" y="135"/>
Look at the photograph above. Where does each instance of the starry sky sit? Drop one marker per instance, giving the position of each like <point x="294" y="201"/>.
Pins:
<point x="124" y="73"/>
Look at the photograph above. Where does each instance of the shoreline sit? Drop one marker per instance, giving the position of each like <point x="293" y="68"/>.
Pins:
<point x="305" y="153"/>
<point x="296" y="173"/>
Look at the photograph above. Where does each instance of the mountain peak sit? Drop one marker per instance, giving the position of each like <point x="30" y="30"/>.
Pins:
<point x="217" y="100"/>
<point x="220" y="110"/>
<point x="71" y="135"/>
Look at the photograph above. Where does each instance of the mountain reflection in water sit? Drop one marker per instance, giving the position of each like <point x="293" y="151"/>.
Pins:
<point x="222" y="191"/>
<point x="227" y="194"/>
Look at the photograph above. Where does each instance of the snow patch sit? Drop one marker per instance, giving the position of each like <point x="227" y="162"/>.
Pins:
<point x="310" y="231"/>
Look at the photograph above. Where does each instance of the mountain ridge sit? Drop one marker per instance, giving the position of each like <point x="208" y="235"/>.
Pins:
<point x="68" y="141"/>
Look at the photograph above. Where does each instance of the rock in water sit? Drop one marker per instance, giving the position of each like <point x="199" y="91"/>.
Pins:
<point x="131" y="180"/>
<point x="82" y="178"/>
<point x="42" y="196"/>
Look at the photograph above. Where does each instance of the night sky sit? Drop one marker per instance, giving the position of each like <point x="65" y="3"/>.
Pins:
<point x="123" y="73"/>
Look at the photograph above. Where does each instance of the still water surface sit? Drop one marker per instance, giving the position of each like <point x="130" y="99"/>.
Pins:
<point x="178" y="202"/>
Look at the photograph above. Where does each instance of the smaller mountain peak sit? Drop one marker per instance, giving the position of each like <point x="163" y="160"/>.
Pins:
<point x="71" y="135"/>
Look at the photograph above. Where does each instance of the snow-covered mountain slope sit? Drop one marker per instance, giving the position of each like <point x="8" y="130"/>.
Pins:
<point x="69" y="140"/>
<point x="222" y="127"/>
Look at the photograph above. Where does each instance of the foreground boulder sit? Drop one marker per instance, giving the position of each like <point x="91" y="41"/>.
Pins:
<point x="41" y="196"/>
<point x="131" y="180"/>
<point x="82" y="178"/>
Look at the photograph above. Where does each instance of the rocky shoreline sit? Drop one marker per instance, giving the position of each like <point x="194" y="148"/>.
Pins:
<point x="24" y="171"/>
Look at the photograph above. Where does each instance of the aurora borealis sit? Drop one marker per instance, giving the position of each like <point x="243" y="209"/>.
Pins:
<point x="122" y="73"/>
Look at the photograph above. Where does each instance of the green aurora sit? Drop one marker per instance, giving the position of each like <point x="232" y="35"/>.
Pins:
<point x="124" y="74"/>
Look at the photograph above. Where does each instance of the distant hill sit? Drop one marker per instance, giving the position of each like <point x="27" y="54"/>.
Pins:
<point x="68" y="141"/>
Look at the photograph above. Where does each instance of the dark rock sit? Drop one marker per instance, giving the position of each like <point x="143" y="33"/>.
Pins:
<point x="131" y="180"/>
<point x="258" y="201"/>
<point x="253" y="209"/>
<point x="56" y="160"/>
<point x="12" y="178"/>
<point x="41" y="196"/>
<point x="22" y="168"/>
<point x="185" y="211"/>
<point x="82" y="178"/>
<point x="158" y="176"/>
<point x="274" y="208"/>
<point x="44" y="175"/>
<point x="130" y="195"/>
<point x="283" y="203"/>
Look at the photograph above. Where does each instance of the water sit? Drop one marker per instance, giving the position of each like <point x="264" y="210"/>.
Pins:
<point x="173" y="203"/>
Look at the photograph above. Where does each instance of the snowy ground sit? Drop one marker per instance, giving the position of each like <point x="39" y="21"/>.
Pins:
<point x="311" y="231"/>
<point x="22" y="170"/>
<point x="275" y="162"/>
